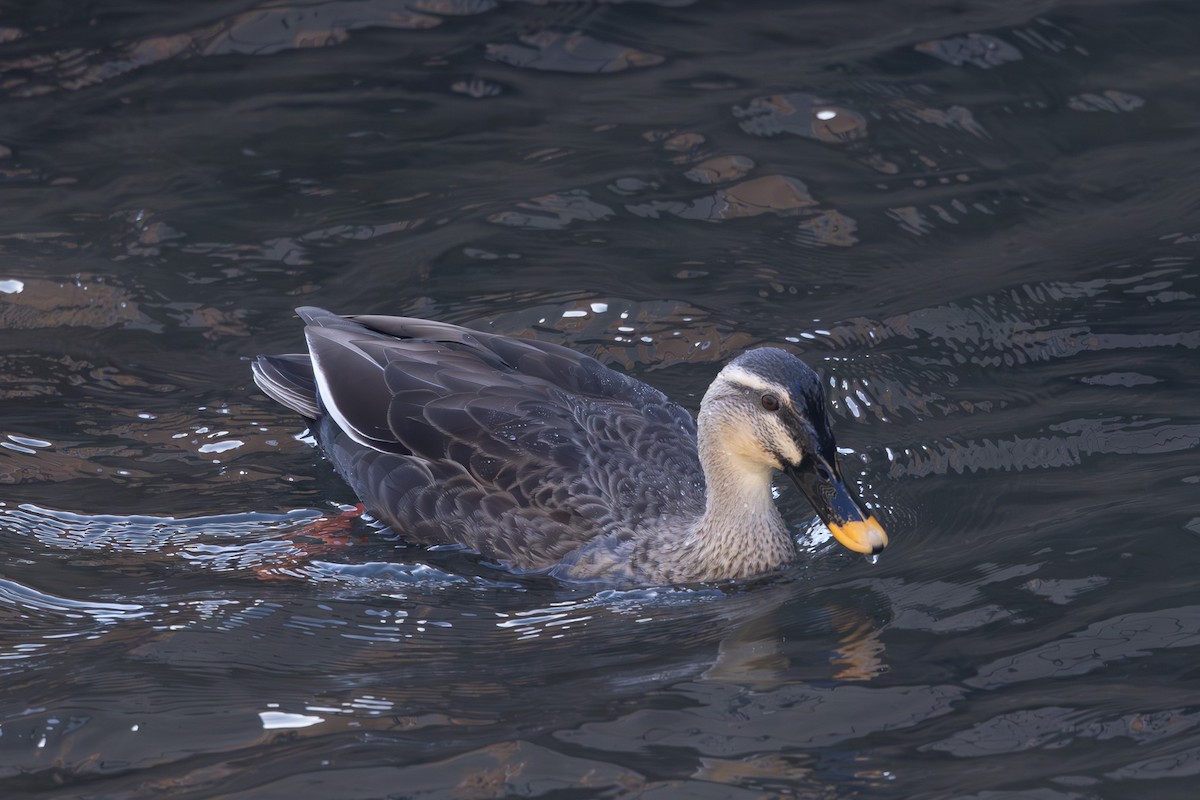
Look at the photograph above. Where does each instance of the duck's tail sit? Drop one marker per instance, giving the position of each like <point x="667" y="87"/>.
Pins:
<point x="288" y="379"/>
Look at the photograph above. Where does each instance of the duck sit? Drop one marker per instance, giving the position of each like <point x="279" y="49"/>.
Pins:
<point x="544" y="460"/>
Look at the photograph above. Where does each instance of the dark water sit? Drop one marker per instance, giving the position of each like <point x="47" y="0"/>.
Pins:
<point x="979" y="220"/>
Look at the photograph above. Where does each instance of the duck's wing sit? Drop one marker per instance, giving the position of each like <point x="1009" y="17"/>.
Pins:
<point x="500" y="443"/>
<point x="383" y="377"/>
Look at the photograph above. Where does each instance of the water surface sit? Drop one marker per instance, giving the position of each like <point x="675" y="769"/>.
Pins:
<point x="979" y="221"/>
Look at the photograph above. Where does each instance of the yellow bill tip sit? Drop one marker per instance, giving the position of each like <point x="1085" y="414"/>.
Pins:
<point x="861" y="536"/>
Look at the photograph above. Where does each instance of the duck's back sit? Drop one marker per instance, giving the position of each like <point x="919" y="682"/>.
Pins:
<point x="524" y="451"/>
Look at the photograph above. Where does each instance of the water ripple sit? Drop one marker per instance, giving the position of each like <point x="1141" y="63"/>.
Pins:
<point x="1080" y="438"/>
<point x="270" y="28"/>
<point x="27" y="597"/>
<point x="140" y="533"/>
<point x="1136" y="635"/>
<point x="570" y="51"/>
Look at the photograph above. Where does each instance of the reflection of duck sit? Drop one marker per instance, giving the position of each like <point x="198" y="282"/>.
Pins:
<point x="545" y="459"/>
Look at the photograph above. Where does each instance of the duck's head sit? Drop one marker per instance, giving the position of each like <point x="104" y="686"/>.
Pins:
<point x="770" y="409"/>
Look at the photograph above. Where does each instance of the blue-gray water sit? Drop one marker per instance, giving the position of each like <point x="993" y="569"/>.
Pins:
<point x="978" y="220"/>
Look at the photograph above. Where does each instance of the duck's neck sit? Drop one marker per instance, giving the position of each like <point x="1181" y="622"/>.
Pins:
<point x="741" y="532"/>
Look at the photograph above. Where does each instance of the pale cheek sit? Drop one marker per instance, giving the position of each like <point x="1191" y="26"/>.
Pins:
<point x="760" y="444"/>
<point x="746" y="445"/>
<point x="785" y="445"/>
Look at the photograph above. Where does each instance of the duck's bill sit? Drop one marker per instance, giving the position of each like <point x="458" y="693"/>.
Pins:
<point x="851" y="524"/>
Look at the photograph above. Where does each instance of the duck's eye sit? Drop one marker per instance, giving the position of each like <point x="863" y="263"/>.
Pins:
<point x="770" y="402"/>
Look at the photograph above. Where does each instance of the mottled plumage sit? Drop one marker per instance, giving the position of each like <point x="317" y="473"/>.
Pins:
<point x="538" y="456"/>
